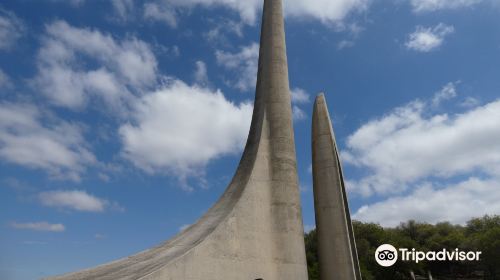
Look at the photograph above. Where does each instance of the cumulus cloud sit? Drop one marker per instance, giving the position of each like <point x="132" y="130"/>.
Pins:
<point x="201" y="75"/>
<point x="242" y="64"/>
<point x="66" y="79"/>
<point x="57" y="147"/>
<point x="161" y="13"/>
<point x="429" y="167"/>
<point x="75" y="200"/>
<point x="470" y="102"/>
<point x="180" y="128"/>
<point x="448" y="92"/>
<point x="39" y="226"/>
<point x="324" y="10"/>
<point x="298" y="114"/>
<point x="456" y="203"/>
<point x="218" y="33"/>
<point x="410" y="144"/>
<point x="124" y="9"/>
<point x="166" y="130"/>
<point x="299" y="96"/>
<point x="11" y="29"/>
<point x="246" y="9"/>
<point x="428" y="39"/>
<point x="434" y="5"/>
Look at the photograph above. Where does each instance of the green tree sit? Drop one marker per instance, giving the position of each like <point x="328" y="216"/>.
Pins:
<point x="312" y="255"/>
<point x="484" y="235"/>
<point x="480" y="234"/>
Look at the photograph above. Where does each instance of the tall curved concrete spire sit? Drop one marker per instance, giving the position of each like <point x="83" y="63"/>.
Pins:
<point x="255" y="230"/>
<point x="338" y="258"/>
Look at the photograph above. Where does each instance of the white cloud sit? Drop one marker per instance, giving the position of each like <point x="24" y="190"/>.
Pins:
<point x="103" y="177"/>
<point x="298" y="114"/>
<point x="57" y="147"/>
<point x="168" y="11"/>
<point x="11" y="29"/>
<point x="74" y="200"/>
<point x="344" y="44"/>
<point x="470" y="102"/>
<point x="434" y="5"/>
<point x="123" y="8"/>
<point x="410" y="145"/>
<point x="180" y="128"/>
<point x="448" y="92"/>
<point x="418" y="160"/>
<point x="201" y="75"/>
<point x="39" y="226"/>
<point x="243" y="64"/>
<point x="218" y="34"/>
<point x="4" y="80"/>
<point x="121" y="66"/>
<point x="326" y="11"/>
<point x="428" y="39"/>
<point x="299" y="96"/>
<point x="161" y="13"/>
<point x="456" y="203"/>
<point x="246" y="9"/>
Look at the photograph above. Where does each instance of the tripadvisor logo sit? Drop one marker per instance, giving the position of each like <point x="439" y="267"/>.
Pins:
<point x="387" y="255"/>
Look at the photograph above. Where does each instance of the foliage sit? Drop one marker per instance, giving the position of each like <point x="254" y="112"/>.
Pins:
<point x="480" y="234"/>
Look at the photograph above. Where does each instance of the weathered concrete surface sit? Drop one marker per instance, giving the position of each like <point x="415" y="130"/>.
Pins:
<point x="255" y="230"/>
<point x="338" y="259"/>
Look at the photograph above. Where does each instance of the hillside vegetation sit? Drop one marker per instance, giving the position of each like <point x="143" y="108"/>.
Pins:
<point x="479" y="234"/>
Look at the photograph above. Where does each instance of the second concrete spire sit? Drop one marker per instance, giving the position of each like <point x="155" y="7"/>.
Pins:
<point x="338" y="259"/>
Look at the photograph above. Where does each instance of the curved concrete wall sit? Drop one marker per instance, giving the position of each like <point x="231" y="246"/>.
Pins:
<point x="255" y="229"/>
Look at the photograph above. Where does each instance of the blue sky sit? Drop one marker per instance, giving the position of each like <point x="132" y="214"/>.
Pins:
<point x="122" y="121"/>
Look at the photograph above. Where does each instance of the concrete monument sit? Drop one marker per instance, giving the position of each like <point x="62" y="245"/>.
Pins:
<point x="255" y="230"/>
<point x="338" y="259"/>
